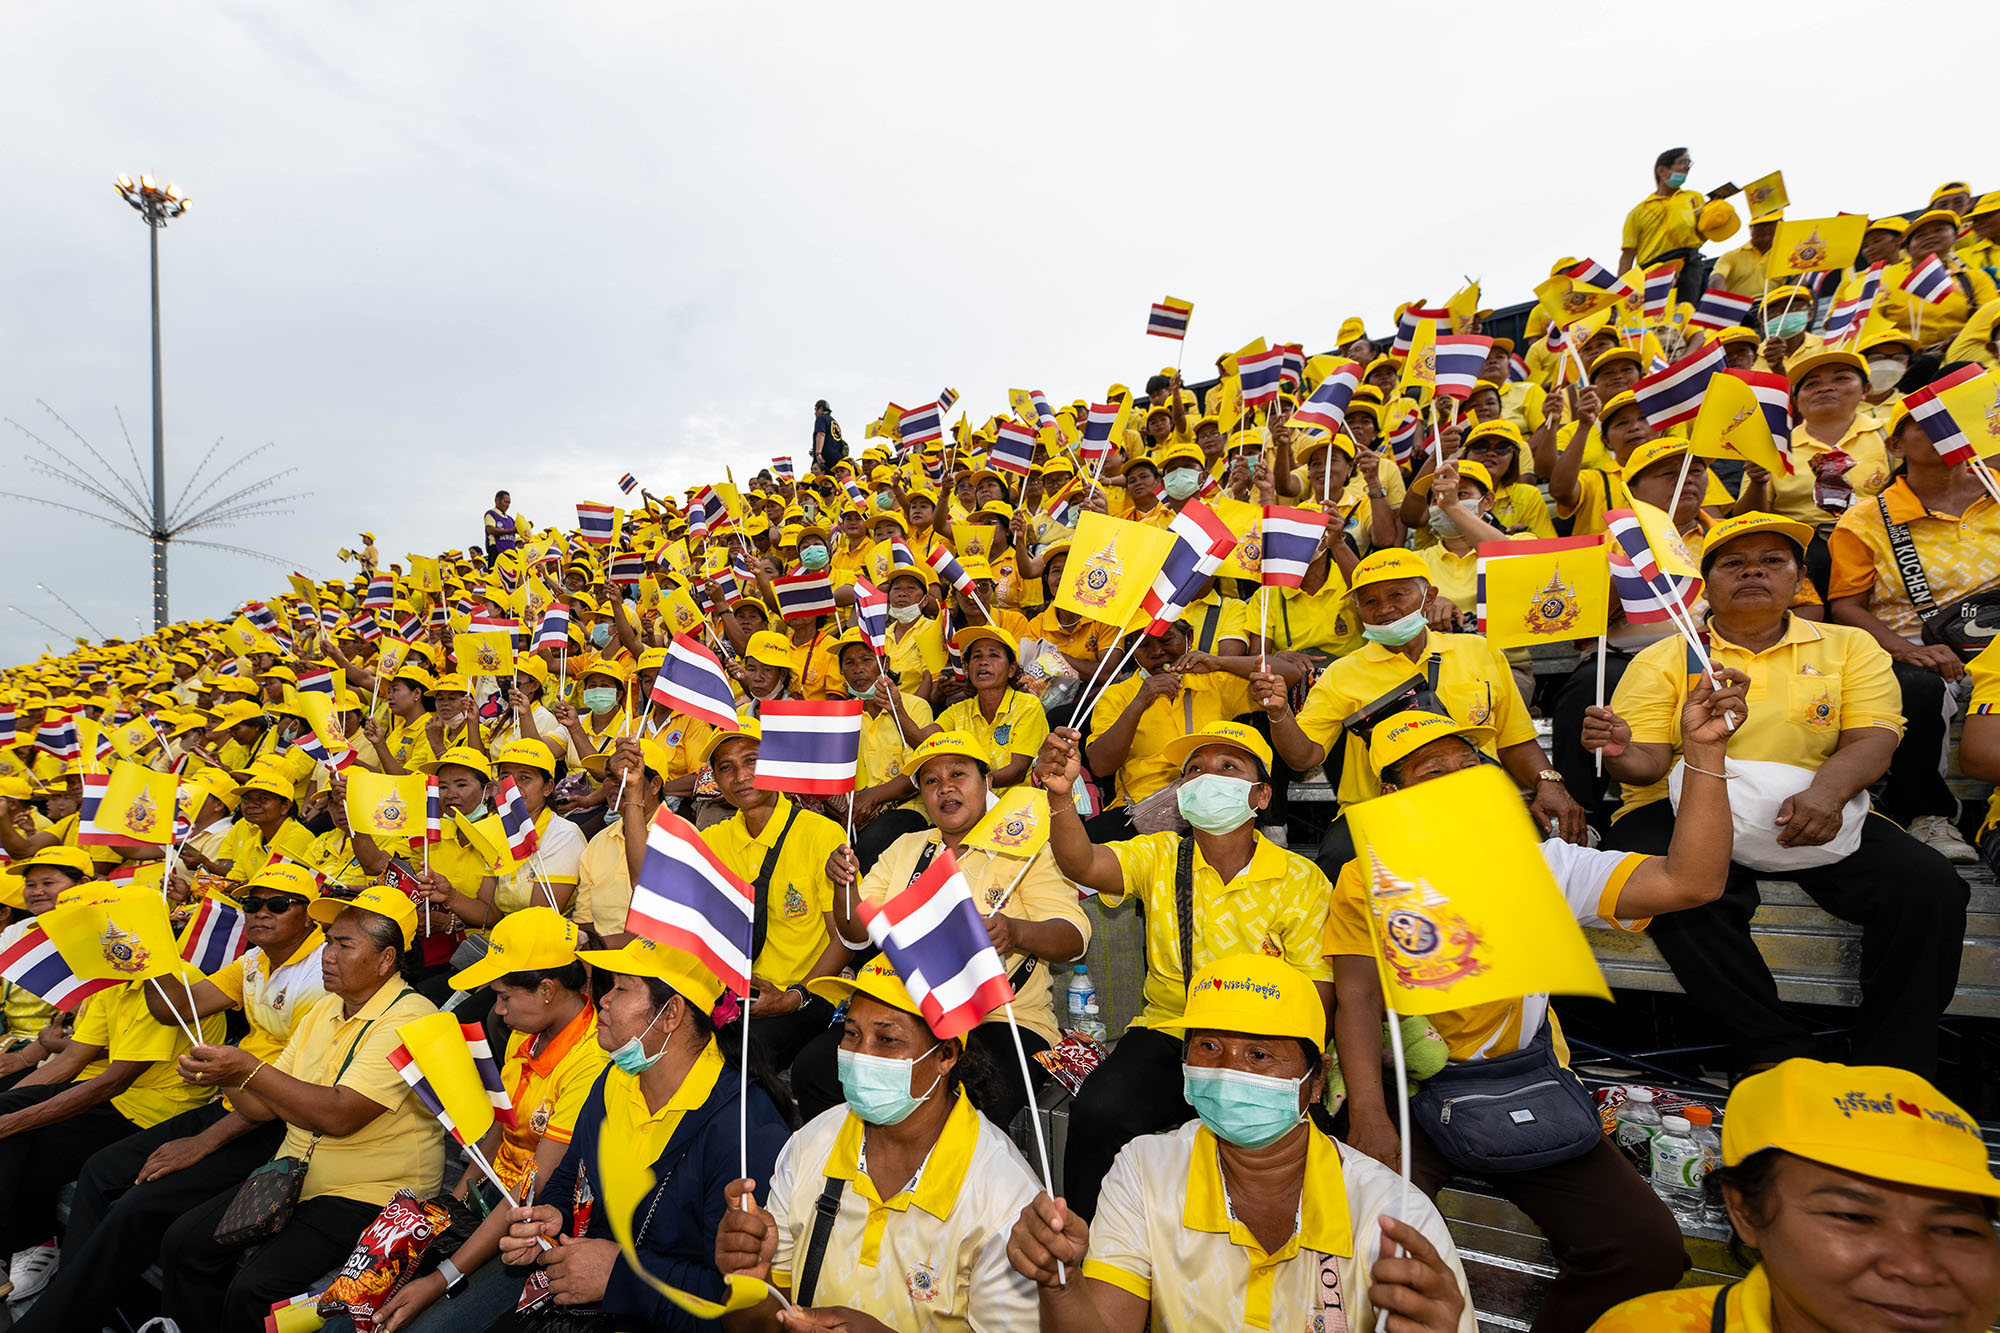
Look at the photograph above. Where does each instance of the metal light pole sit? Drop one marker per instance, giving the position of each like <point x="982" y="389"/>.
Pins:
<point x="158" y="207"/>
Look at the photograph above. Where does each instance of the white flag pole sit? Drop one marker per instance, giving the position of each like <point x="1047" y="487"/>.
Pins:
<point x="1601" y="641"/>
<point x="1034" y="1118"/>
<point x="1402" y="1074"/>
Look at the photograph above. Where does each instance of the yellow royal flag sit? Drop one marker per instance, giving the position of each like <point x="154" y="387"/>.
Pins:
<point x="625" y="1189"/>
<point x="679" y="611"/>
<point x="438" y="1048"/>
<point x="244" y="638"/>
<point x="1975" y="408"/>
<point x="484" y="653"/>
<point x="137" y="806"/>
<point x="1816" y="245"/>
<point x="1017" y="826"/>
<point x="115" y="932"/>
<point x="425" y="574"/>
<point x="1766" y="194"/>
<point x="1472" y="918"/>
<point x="486" y="840"/>
<point x="1464" y="305"/>
<point x="1112" y="562"/>
<point x="1246" y="520"/>
<point x="1731" y="424"/>
<point x="318" y="710"/>
<point x="383" y="806"/>
<point x="1670" y="553"/>
<point x="1419" y="380"/>
<point x="303" y="586"/>
<point x="1543" y="591"/>
<point x="132" y="739"/>
<point x="1569" y="301"/>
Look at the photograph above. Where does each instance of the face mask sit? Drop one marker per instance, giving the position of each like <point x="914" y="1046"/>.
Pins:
<point x="632" y="1057"/>
<point x="1788" y="325"/>
<point x="1214" y="803"/>
<point x="478" y="812"/>
<point x="1183" y="482"/>
<point x="1886" y="374"/>
<point x="1441" y="523"/>
<point x="1397" y="632"/>
<point x="877" y="1088"/>
<point x="884" y="500"/>
<point x="600" y="636"/>
<point x="1248" y="1110"/>
<point x="1676" y="179"/>
<point x="868" y="693"/>
<point x="903" y="615"/>
<point x="600" y="699"/>
<point x="813" y="557"/>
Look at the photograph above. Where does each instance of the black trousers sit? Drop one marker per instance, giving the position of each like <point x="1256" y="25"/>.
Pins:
<point x="213" y="1286"/>
<point x="1577" y="765"/>
<point x="115" y="1225"/>
<point x="34" y="1166"/>
<point x="1916" y="784"/>
<point x="816" y="1073"/>
<point x="873" y="838"/>
<point x="783" y="1037"/>
<point x="1137" y="1090"/>
<point x="1613" y="1239"/>
<point x="1908" y="901"/>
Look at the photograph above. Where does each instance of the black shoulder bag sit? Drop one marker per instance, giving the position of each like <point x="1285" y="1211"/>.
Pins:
<point x="760" y="913"/>
<point x="1967" y="625"/>
<point x="1508" y="1114"/>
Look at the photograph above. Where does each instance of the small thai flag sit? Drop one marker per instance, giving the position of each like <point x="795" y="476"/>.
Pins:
<point x="1930" y="281"/>
<point x="854" y="491"/>
<point x="1460" y="357"/>
<point x="1406" y="327"/>
<point x="871" y="612"/>
<point x="365" y="626"/>
<point x="628" y="483"/>
<point x="804" y="595"/>
<point x="692" y="681"/>
<point x="406" y="1066"/>
<point x="1517" y="370"/>
<point x="215" y="937"/>
<point x="1646" y="592"/>
<point x="489" y="1071"/>
<point x="1847" y="317"/>
<point x="1291" y="364"/>
<point x="412" y="626"/>
<point x="937" y="942"/>
<point x="1774" y="395"/>
<point x="1096" y="442"/>
<point x="1291" y="541"/>
<point x="1718" y="309"/>
<point x="433" y="812"/>
<point x="554" y="629"/>
<point x="1326" y="408"/>
<point x="1261" y="375"/>
<point x="947" y="567"/>
<point x="1043" y="416"/>
<point x="1202" y="541"/>
<point x="57" y="738"/>
<point x="310" y="745"/>
<point x="330" y="618"/>
<point x="381" y="591"/>
<point x="704" y="507"/>
<point x="1013" y="449"/>
<point x="946" y="397"/>
<point x="260" y="615"/>
<point x="1673" y="395"/>
<point x="1660" y="282"/>
<point x="482" y="621"/>
<point x="920" y="425"/>
<point x="1169" y="319"/>
<point x="687" y="899"/>
<point x="88" y="834"/>
<point x="33" y="964"/>
<point x="809" y="747"/>
<point x="1403" y="440"/>
<point x="519" y="825"/>
<point x="9" y="726"/>
<point x="596" y="523"/>
<point x="745" y="576"/>
<point x="317" y="682"/>
<point x="781" y="467"/>
<point x="627" y="570"/>
<point x="1945" y="432"/>
<point x="1594" y="273"/>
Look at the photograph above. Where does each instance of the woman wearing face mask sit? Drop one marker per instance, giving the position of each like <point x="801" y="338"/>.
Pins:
<point x="1889" y="354"/>
<point x="1837" y="452"/>
<point x="1183" y="470"/>
<point x="893" y="724"/>
<point x="1239" y="887"/>
<point x="1517" y="506"/>
<point x="1252" y="1215"/>
<point x="890" y="1211"/>
<point x="670" y="1103"/>
<point x="1787" y="318"/>
<point x="885" y="526"/>
<point x="1008" y="721"/>
<point x="604" y="716"/>
<point x="1662" y="226"/>
<point x="915" y="646"/>
<point x="1867" y="1199"/>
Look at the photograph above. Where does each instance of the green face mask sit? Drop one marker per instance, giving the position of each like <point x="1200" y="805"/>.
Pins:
<point x="1788" y="325"/>
<point x="600" y="698"/>
<point x="1397" y="632"/>
<point x="1248" y="1110"/>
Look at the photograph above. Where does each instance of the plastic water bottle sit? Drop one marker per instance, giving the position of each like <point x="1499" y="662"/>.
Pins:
<point x="1092" y="1023"/>
<point x="1678" y="1169"/>
<point x="1702" y="1118"/>
<point x="1082" y="994"/>
<point x="1638" y="1126"/>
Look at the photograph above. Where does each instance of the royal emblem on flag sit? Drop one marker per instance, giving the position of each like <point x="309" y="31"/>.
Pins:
<point x="1555" y="607"/>
<point x="391" y="813"/>
<point x="142" y="814"/>
<point x="1424" y="942"/>
<point x="1100" y="576"/>
<point x="489" y="660"/>
<point x="1572" y="299"/>
<point x="1808" y="254"/>
<point x="1010" y="833"/>
<point x="122" y="949"/>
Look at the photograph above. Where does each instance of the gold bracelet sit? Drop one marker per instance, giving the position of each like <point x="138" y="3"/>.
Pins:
<point x="1705" y="772"/>
<point x="252" y="1074"/>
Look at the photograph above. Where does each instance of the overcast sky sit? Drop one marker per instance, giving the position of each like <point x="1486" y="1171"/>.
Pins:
<point x="435" y="250"/>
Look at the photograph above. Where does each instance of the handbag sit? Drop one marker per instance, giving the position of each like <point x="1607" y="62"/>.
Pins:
<point x="1965" y="626"/>
<point x="1758" y="789"/>
<point x="1512" y="1113"/>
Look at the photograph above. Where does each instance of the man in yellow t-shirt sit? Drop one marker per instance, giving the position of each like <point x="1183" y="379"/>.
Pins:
<point x="1664" y="221"/>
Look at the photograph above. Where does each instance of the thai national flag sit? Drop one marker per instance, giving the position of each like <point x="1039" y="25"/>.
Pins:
<point x="628" y="483"/>
<point x="1674" y="395"/>
<point x="440" y="616"/>
<point x="692" y="681"/>
<point x="1660" y="281"/>
<point x="309" y="744"/>
<point x="1517" y="370"/>
<point x="215" y="937"/>
<point x="1202" y="541"/>
<point x="1647" y="593"/>
<point x="433" y="811"/>
<point x="1404" y="438"/>
<point x="1930" y="281"/>
<point x="1774" y="395"/>
<point x="519" y="825"/>
<point x="1169" y="319"/>
<point x="554" y="629"/>
<point x="705" y="508"/>
<point x="481" y="621"/>
<point x="687" y="899"/>
<point x="365" y="626"/>
<point x="1261" y="374"/>
<point x="1013" y="449"/>
<point x="937" y="942"/>
<point x="946" y="397"/>
<point x="1847" y="317"/>
<point x="1460" y="357"/>
<point x="947" y="567"/>
<point x="626" y="570"/>
<point x="1043" y="416"/>
<point x="57" y="737"/>
<point x="1291" y="540"/>
<point x="489" y="1071"/>
<point x="1291" y="364"/>
<point x="781" y="467"/>
<point x="88" y="834"/>
<point x="1326" y="408"/>
<point x="319" y="682"/>
<point x="854" y="492"/>
<point x="871" y="612"/>
<point x="596" y="523"/>
<point x="1096" y="442"/>
<point x="1945" y="432"/>
<point x="33" y="964"/>
<point x="381" y="591"/>
<point x="9" y="726"/>
<point x="1406" y="326"/>
<point x="330" y="618"/>
<point x="920" y="425"/>
<point x="809" y="746"/>
<point x="804" y="595"/>
<point x="1718" y="309"/>
<point x="1594" y="273"/>
<point x="260" y="615"/>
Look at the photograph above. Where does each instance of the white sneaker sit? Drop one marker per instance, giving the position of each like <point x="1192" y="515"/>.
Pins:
<point x="1940" y="833"/>
<point x="31" y="1270"/>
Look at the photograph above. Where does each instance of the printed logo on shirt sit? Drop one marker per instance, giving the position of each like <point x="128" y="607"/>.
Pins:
<point x="539" y="1121"/>
<point x="923" y="1283"/>
<point x="795" y="903"/>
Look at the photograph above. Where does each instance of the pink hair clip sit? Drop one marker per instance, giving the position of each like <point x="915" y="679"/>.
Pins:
<point x="726" y="1009"/>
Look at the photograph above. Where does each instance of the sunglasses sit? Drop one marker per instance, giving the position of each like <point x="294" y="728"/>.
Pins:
<point x="276" y="905"/>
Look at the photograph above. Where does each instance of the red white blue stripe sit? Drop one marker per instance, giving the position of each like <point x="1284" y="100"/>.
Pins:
<point x="1169" y="320"/>
<point x="554" y="629"/>
<point x="1674" y="395"/>
<point x="1291" y="539"/>
<point x="515" y="821"/>
<point x="804" y="595"/>
<point x="809" y="746"/>
<point x="919" y="425"/>
<point x="947" y="567"/>
<point x="1594" y="273"/>
<point x="1261" y="375"/>
<point x="937" y="942"/>
<point x="687" y="899"/>
<point x="871" y="612"/>
<point x="1406" y="326"/>
<point x="1660" y="282"/>
<point x="1202" y="541"/>
<point x="1945" y="432"/>
<point x="1930" y="281"/>
<point x="33" y="964"/>
<point x="1774" y="396"/>
<point x="381" y="591"/>
<point x="1847" y="317"/>
<point x="1291" y="364"/>
<point x="781" y="467"/>
<point x="1326" y="407"/>
<point x="215" y="938"/>
<point x="596" y="523"/>
<point x="628" y="483"/>
<point x="1013" y="449"/>
<point x="57" y="737"/>
<point x="626" y="570"/>
<point x="1646" y="592"/>
<point x="1459" y="359"/>
<point x="1718" y="309"/>
<point x="320" y="682"/>
<point x="691" y="680"/>
<point x="1096" y="442"/>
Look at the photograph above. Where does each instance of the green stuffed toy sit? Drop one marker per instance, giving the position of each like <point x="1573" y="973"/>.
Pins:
<point x="1424" y="1053"/>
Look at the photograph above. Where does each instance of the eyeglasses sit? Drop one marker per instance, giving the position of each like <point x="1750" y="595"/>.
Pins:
<point x="276" y="905"/>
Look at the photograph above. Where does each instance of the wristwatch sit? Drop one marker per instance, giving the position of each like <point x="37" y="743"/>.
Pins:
<point x="454" y="1281"/>
<point x="1549" y="775"/>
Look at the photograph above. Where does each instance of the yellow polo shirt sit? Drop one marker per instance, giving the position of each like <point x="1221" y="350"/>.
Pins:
<point x="883" y="749"/>
<point x="1740" y="272"/>
<point x="1815" y="682"/>
<point x="1521" y="404"/>
<point x="1276" y="905"/>
<point x="604" y="882"/>
<point x="914" y="649"/>
<point x="634" y="1134"/>
<point x="931" y="1256"/>
<point x="273" y="993"/>
<point x="1520" y="505"/>
<point x="1307" y="622"/>
<point x="1746" y="1309"/>
<point x="1930" y="324"/>
<point x="1985" y="702"/>
<point x="800" y="895"/>
<point x="1215" y="621"/>
<point x="246" y="852"/>
<point x="549" y="1087"/>
<point x="1960" y="554"/>
<point x="410" y="741"/>
<point x="119" y="1021"/>
<point x="1205" y="697"/>
<point x="1166" y="1232"/>
<point x="1474" y="683"/>
<point x="819" y="675"/>
<point x="403" y="1148"/>
<point x="1657" y="224"/>
<point x="1792" y="495"/>
<point x="1087" y="639"/>
<point x="1018" y="726"/>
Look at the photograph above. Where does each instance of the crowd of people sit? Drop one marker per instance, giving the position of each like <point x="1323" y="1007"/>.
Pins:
<point x="1210" y="1181"/>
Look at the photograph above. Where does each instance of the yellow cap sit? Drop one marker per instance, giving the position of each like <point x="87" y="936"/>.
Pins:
<point x="286" y="877"/>
<point x="1928" y="216"/>
<point x="1798" y="367"/>
<point x="1401" y="736"/>
<point x="528" y="753"/>
<point x="1350" y="329"/>
<point x="1319" y="444"/>
<point x="377" y="898"/>
<point x="415" y="673"/>
<point x="876" y="979"/>
<point x="971" y="634"/>
<point x="772" y="649"/>
<point x="461" y="756"/>
<point x="960" y="743"/>
<point x="1469" y="470"/>
<point x="265" y="777"/>
<point x="617" y="668"/>
<point x="1181" y="748"/>
<point x="235" y="713"/>
<point x="1612" y="355"/>
<point x="211" y="782"/>
<point x="1186" y="455"/>
<point x="62" y="858"/>
<point x="1254" y="994"/>
<point x="641" y="957"/>
<point x="1743" y="525"/>
<point x="529" y="940"/>
<point x="1717" y="220"/>
<point x="1387" y="565"/>
<point x="746" y="729"/>
<point x="13" y="890"/>
<point x="1985" y="204"/>
<point x="1869" y="1119"/>
<point x="1651" y="452"/>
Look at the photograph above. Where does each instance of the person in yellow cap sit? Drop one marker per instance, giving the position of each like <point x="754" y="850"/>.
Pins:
<point x="129" y="1191"/>
<point x="1623" y="1241"/>
<point x="1008" y="721"/>
<point x="1221" y="887"/>
<point x="636" y="778"/>
<point x="1143" y="498"/>
<point x="1932" y="326"/>
<point x="893" y="725"/>
<point x="606" y="710"/>
<point x="1836" y="447"/>
<point x="265" y="824"/>
<point x="919" y="1188"/>
<point x="1460" y="517"/>
<point x="404" y="743"/>
<point x="42" y="876"/>
<point x="337" y="1092"/>
<point x="550" y="875"/>
<point x="1588" y="440"/>
<point x="529" y="717"/>
<point x="1889" y="354"/>
<point x="1517" y="504"/>
<point x="207" y="800"/>
<point x="23" y="1014"/>
<point x="1868" y="1200"/>
<point x="1081" y="641"/>
<point x="1824" y="723"/>
<point x="1250" y="1215"/>
<point x="671" y="1104"/>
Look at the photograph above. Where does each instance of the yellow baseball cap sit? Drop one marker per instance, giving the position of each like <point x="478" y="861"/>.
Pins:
<point x="1387" y="565"/>
<point x="1743" y="525"/>
<point x="529" y="753"/>
<point x="1738" y="333"/>
<point x="1930" y="215"/>
<point x="461" y="756"/>
<point x="286" y="877"/>
<point x="235" y="713"/>
<point x="377" y="898"/>
<point x="772" y="649"/>
<point x="971" y="634"/>
<point x="61" y="858"/>
<point x="961" y="743"/>
<point x="641" y="957"/>
<point x="1350" y="329"/>
<point x="617" y="668"/>
<point x="264" y="777"/>
<point x="415" y="673"/>
<point x="210" y="782"/>
<point x="1189" y="455"/>
<point x="529" y="940"/>
<point x="1870" y="1119"/>
<point x="1181" y="748"/>
<point x="1411" y="730"/>
<point x="1798" y="367"/>
<point x="1255" y="994"/>
<point x="1791" y="291"/>
<point x="746" y="729"/>
<point x="876" y="979"/>
<point x="1611" y="355"/>
<point x="1319" y="444"/>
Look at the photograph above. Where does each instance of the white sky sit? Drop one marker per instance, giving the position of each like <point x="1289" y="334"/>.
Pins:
<point x="436" y="250"/>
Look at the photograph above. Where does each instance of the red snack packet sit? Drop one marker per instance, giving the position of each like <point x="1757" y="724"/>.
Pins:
<point x="384" y="1258"/>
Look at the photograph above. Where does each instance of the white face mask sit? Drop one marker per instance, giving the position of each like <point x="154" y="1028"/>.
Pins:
<point x="903" y="615"/>
<point x="1885" y="374"/>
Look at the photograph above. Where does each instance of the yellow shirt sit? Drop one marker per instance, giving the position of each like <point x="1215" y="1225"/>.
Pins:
<point x="1740" y="272"/>
<point x="1205" y="697"/>
<point x="558" y="858"/>
<point x="1521" y="404"/>
<point x="634" y="1134"/>
<point x="800" y="894"/>
<point x="1019" y="725"/>
<point x="1985" y="672"/>
<point x="1086" y="639"/>
<point x="932" y="1256"/>
<point x="1817" y="681"/>
<point x="1456" y="577"/>
<point x="272" y="995"/>
<point x="883" y="749"/>
<point x="1217" y="621"/>
<point x="1166" y="1232"/>
<point x="403" y="1148"/>
<point x="1746" y="1309"/>
<point x="549" y="1087"/>
<point x="1960" y="554"/>
<point x="1792" y="495"/>
<point x="1657" y="224"/>
<point x="1474" y="683"/>
<point x="1975" y="341"/>
<point x="604" y="882"/>
<point x="914" y="649"/>
<point x="1308" y="622"/>
<point x="1521" y="506"/>
<point x="1276" y="905"/>
<point x="820" y="677"/>
<point x="245" y="851"/>
<point x="410" y="741"/>
<point x="119" y="1021"/>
